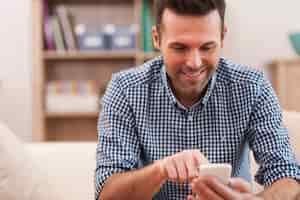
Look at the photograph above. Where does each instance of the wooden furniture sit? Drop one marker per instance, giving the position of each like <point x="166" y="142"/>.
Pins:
<point x="77" y="65"/>
<point x="285" y="78"/>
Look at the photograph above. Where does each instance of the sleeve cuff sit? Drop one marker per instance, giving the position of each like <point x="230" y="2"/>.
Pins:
<point x="278" y="173"/>
<point x="101" y="175"/>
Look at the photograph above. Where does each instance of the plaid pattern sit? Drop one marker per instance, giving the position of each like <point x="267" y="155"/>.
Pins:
<point x="141" y="121"/>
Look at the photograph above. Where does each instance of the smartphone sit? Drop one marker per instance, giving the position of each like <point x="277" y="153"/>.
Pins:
<point x="220" y="170"/>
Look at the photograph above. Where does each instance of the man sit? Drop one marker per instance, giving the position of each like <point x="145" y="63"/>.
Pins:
<point x="160" y="121"/>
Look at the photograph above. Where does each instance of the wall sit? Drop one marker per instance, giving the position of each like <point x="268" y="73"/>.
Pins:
<point x="257" y="34"/>
<point x="258" y="30"/>
<point x="15" y="67"/>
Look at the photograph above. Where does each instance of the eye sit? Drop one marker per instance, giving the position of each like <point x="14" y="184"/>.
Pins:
<point x="207" y="48"/>
<point x="179" y="47"/>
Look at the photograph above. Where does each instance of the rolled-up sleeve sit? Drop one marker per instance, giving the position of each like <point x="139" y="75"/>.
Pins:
<point x="269" y="139"/>
<point x="118" y="148"/>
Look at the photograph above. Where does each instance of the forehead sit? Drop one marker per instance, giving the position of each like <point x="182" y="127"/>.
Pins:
<point x="207" y="27"/>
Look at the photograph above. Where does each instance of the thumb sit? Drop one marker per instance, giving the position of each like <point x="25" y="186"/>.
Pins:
<point x="240" y="185"/>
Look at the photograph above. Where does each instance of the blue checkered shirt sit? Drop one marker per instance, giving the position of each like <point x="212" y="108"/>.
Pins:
<point x="142" y="121"/>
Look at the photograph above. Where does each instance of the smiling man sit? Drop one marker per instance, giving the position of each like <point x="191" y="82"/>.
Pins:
<point x="162" y="120"/>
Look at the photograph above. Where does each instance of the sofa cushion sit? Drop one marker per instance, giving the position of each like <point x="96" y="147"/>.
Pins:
<point x="70" y="166"/>
<point x="19" y="177"/>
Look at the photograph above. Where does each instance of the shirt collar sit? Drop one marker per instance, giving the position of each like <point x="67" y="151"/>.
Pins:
<point x="203" y="101"/>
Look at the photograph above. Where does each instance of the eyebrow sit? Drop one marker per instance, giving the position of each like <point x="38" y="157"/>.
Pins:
<point x="205" y="44"/>
<point x="209" y="43"/>
<point x="177" y="43"/>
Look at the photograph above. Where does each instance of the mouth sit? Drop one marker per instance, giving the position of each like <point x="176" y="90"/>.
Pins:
<point x="195" y="74"/>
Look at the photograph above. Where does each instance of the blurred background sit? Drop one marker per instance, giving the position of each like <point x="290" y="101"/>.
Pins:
<point x="57" y="56"/>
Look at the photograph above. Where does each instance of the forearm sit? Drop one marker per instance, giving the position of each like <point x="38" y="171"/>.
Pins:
<point x="286" y="189"/>
<point x="135" y="185"/>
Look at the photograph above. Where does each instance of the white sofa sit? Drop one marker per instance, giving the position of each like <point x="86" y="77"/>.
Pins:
<point x="40" y="171"/>
<point x="45" y="171"/>
<point x="69" y="168"/>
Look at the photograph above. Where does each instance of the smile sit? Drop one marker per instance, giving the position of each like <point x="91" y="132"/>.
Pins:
<point x="195" y="74"/>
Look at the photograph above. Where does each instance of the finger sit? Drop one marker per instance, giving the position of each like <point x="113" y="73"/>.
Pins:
<point x="181" y="170"/>
<point x="199" y="158"/>
<point x="171" y="169"/>
<point x="192" y="168"/>
<point x="204" y="191"/>
<point x="240" y="185"/>
<point x="219" y="187"/>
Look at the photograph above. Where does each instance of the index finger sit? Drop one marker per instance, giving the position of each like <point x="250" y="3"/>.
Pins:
<point x="199" y="158"/>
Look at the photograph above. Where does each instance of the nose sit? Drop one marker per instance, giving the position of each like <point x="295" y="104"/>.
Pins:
<point x="194" y="59"/>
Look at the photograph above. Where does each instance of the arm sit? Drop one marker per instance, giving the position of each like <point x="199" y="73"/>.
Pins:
<point x="138" y="184"/>
<point x="209" y="187"/>
<point x="144" y="183"/>
<point x="268" y="138"/>
<point x="282" y="189"/>
<point x="118" y="149"/>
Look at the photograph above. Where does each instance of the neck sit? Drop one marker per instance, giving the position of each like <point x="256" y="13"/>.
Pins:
<point x="189" y="98"/>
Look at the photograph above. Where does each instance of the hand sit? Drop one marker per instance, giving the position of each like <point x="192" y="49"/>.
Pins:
<point x="210" y="187"/>
<point x="183" y="166"/>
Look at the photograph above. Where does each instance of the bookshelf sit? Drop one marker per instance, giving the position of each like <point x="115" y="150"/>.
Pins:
<point x="57" y="65"/>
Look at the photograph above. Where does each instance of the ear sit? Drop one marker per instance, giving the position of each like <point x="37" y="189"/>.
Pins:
<point x="223" y="34"/>
<point x="155" y="38"/>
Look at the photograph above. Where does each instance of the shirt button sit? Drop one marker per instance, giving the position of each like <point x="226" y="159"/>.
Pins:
<point x="190" y="118"/>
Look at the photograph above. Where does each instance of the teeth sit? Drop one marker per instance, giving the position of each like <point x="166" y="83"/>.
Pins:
<point x="195" y="73"/>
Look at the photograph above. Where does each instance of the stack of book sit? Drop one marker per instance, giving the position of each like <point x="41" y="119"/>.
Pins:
<point x="61" y="33"/>
<point x="72" y="97"/>
<point x="58" y="29"/>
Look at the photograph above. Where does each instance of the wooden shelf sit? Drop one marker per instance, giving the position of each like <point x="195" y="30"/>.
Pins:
<point x="147" y="56"/>
<point x="285" y="76"/>
<point x="50" y="65"/>
<point x="141" y="57"/>
<point x="285" y="61"/>
<point x="86" y="55"/>
<point x="72" y="115"/>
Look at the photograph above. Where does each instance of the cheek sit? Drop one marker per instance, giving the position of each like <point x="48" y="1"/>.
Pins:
<point x="213" y="60"/>
<point x="173" y="62"/>
<point x="173" y="57"/>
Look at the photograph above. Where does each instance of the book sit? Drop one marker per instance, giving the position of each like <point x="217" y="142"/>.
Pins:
<point x="48" y="31"/>
<point x="72" y="96"/>
<point x="58" y="36"/>
<point x="72" y="87"/>
<point x="67" y="27"/>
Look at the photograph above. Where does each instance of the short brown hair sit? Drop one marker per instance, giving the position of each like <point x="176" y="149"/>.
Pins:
<point x="189" y="7"/>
